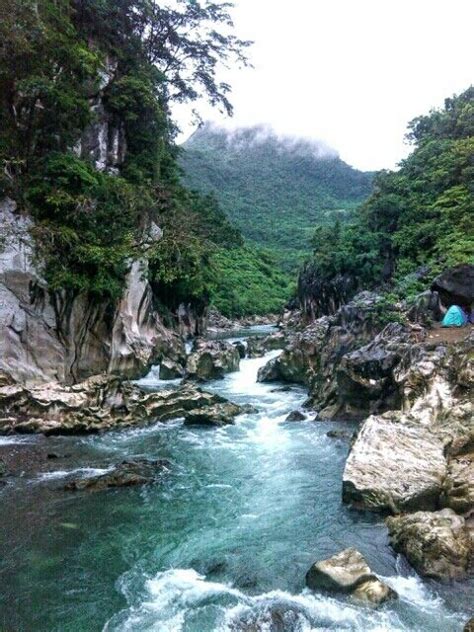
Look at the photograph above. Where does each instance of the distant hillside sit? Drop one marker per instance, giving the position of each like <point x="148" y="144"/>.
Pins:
<point x="275" y="189"/>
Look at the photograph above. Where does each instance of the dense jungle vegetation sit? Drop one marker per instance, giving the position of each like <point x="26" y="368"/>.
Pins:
<point x="274" y="189"/>
<point x="58" y="60"/>
<point x="419" y="218"/>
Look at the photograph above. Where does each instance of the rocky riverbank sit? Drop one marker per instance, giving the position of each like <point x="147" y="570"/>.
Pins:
<point x="413" y="393"/>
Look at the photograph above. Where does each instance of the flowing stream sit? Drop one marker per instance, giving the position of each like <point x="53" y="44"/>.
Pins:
<point x="222" y="543"/>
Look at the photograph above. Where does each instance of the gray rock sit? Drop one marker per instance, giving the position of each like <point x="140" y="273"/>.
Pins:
<point x="394" y="466"/>
<point x="348" y="572"/>
<point x="437" y="544"/>
<point x="458" y="488"/>
<point x="126" y="474"/>
<point x="338" y="434"/>
<point x="211" y="360"/>
<point x="216" y="415"/>
<point x="171" y="370"/>
<point x="241" y="348"/>
<point x="95" y="405"/>
<point x="47" y="336"/>
<point x="406" y="461"/>
<point x="296" y="415"/>
<point x="456" y="285"/>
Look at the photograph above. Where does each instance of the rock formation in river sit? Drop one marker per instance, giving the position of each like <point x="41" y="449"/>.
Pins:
<point x="437" y="544"/>
<point x="100" y="403"/>
<point x="414" y="394"/>
<point x="348" y="572"/>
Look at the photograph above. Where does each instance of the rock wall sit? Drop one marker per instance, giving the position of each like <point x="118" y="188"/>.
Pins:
<point x="48" y="336"/>
<point x="103" y="142"/>
<point x="414" y="392"/>
<point x="346" y="360"/>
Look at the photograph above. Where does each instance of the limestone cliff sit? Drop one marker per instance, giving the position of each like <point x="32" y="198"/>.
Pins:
<point x="57" y="336"/>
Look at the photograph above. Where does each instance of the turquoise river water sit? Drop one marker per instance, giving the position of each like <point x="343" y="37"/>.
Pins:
<point x="222" y="543"/>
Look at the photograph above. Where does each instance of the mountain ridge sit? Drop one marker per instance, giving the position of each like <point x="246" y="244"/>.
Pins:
<point x="276" y="189"/>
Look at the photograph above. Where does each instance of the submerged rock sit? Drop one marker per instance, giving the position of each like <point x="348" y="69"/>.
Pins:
<point x="437" y="544"/>
<point x="348" y="572"/>
<point x="97" y="404"/>
<point x="211" y="360"/>
<point x="125" y="474"/>
<point x="216" y="415"/>
<point x="338" y="434"/>
<point x="296" y="415"/>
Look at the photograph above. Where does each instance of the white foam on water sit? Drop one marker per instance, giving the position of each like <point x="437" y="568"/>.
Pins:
<point x="87" y="472"/>
<point x="412" y="590"/>
<point x="16" y="439"/>
<point x="175" y="594"/>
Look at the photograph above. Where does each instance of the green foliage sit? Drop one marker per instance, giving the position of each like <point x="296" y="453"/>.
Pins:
<point x="274" y="190"/>
<point x="86" y="223"/>
<point x="420" y="215"/>
<point x="248" y="281"/>
<point x="63" y="63"/>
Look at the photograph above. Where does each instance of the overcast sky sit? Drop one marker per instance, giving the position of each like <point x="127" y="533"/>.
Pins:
<point x="349" y="72"/>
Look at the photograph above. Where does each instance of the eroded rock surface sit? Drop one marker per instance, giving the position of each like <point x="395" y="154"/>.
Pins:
<point x="347" y="360"/>
<point x="437" y="544"/>
<point x="125" y="474"/>
<point x="97" y="404"/>
<point x="211" y="360"/>
<point x="348" y="572"/>
<point x="395" y="466"/>
<point x="47" y="335"/>
<point x="215" y="415"/>
<point x="405" y="460"/>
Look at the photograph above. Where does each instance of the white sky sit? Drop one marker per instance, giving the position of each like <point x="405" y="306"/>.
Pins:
<point x="349" y="72"/>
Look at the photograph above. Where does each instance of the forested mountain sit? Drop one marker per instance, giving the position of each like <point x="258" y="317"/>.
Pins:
<point x="275" y="189"/>
<point x="419" y="218"/>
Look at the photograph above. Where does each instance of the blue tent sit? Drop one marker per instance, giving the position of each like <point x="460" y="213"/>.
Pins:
<point x="454" y="317"/>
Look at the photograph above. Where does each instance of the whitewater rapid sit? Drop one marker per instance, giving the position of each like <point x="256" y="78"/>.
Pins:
<point x="221" y="544"/>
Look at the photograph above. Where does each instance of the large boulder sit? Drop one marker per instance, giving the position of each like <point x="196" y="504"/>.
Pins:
<point x="171" y="369"/>
<point x="406" y="461"/>
<point x="97" y="404"/>
<point x="437" y="544"/>
<point x="348" y="572"/>
<point x="211" y="360"/>
<point x="394" y="466"/>
<point x="216" y="415"/>
<point x="126" y="474"/>
<point x="456" y="285"/>
<point x="365" y="376"/>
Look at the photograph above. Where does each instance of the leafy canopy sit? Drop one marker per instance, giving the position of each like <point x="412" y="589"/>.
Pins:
<point x="420" y="215"/>
<point x="133" y="57"/>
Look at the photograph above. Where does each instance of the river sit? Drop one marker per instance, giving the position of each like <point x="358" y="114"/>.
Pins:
<point x="222" y="543"/>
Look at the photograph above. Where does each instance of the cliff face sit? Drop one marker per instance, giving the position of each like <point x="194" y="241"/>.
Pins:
<point x="66" y="336"/>
<point x="54" y="336"/>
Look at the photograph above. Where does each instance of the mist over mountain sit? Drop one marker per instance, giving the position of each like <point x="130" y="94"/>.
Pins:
<point x="275" y="188"/>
